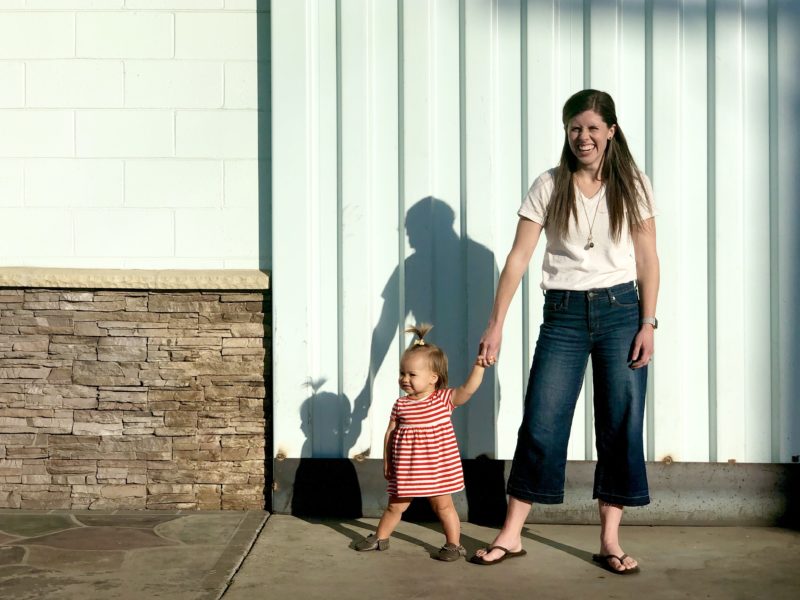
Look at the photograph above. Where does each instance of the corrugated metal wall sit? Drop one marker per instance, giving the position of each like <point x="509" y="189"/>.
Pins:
<point x="404" y="136"/>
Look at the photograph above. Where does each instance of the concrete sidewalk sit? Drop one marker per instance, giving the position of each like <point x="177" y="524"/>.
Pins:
<point x="82" y="555"/>
<point x="310" y="559"/>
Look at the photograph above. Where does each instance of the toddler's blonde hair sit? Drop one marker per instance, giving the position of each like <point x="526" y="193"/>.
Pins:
<point x="437" y="359"/>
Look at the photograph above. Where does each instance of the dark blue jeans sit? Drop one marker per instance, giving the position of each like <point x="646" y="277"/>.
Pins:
<point x="600" y="323"/>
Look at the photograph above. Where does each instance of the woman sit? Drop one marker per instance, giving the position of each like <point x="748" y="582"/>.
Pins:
<point x="600" y="277"/>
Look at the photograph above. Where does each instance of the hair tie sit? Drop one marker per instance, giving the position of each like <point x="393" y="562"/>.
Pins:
<point x="419" y="342"/>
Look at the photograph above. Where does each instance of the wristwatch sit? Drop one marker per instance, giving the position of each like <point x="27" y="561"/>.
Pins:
<point x="649" y="321"/>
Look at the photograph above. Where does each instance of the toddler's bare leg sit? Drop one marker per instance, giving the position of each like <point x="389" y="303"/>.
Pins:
<point x="391" y="516"/>
<point x="446" y="511"/>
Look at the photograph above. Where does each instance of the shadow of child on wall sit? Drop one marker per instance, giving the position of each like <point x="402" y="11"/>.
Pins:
<point x="448" y="280"/>
<point x="325" y="485"/>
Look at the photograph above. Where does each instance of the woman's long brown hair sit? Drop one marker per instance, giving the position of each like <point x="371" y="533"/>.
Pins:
<point x="618" y="171"/>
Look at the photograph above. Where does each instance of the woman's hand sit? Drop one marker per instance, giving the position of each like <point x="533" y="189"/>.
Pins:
<point x="643" y="345"/>
<point x="489" y="348"/>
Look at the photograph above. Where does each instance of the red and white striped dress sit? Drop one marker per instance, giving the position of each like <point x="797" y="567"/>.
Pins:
<point x="425" y="458"/>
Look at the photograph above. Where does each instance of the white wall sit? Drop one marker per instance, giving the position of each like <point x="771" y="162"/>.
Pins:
<point x="380" y="106"/>
<point x="129" y="134"/>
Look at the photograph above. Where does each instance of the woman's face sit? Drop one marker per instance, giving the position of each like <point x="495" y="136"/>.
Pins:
<point x="588" y="136"/>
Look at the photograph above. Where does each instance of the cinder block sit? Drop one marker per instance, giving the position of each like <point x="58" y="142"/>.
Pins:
<point x="173" y="183"/>
<point x="173" y="84"/>
<point x="12" y="84"/>
<point x="74" y="84"/>
<point x="198" y="232"/>
<point x="241" y="84"/>
<point x="124" y="34"/>
<point x="36" y="232"/>
<point x="230" y="36"/>
<point x="241" y="4"/>
<point x="174" y="4"/>
<point x="175" y="262"/>
<point x="241" y="184"/>
<point x="75" y="4"/>
<point x="37" y="35"/>
<point x="216" y="134"/>
<point x="124" y="133"/>
<point x="74" y="182"/>
<point x="124" y="232"/>
<point x="36" y="133"/>
<point x="11" y="182"/>
<point x="229" y="233"/>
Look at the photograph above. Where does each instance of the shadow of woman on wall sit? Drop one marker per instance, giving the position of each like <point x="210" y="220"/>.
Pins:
<point x="448" y="280"/>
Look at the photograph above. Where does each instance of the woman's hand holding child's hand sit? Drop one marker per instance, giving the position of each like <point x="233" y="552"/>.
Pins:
<point x="480" y="362"/>
<point x="489" y="346"/>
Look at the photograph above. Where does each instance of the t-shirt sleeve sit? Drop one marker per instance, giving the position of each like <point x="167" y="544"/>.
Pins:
<point x="447" y="398"/>
<point x="534" y="204"/>
<point x="647" y="203"/>
<point x="393" y="416"/>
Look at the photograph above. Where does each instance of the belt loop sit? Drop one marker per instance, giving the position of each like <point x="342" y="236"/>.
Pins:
<point x="566" y="299"/>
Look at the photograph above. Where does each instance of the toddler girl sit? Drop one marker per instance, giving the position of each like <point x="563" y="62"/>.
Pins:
<point x="420" y="453"/>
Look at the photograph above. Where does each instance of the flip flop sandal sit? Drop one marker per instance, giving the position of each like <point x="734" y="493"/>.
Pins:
<point x="480" y="560"/>
<point x="604" y="561"/>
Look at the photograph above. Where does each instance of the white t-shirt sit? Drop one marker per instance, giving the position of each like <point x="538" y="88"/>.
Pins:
<point x="569" y="264"/>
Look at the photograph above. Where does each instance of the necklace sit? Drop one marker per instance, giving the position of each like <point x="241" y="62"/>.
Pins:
<point x="589" y="240"/>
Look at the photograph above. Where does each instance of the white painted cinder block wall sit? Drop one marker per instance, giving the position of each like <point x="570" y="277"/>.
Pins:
<point x="129" y="134"/>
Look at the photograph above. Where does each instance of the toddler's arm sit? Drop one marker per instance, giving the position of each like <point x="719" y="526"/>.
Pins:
<point x="387" y="449"/>
<point x="464" y="392"/>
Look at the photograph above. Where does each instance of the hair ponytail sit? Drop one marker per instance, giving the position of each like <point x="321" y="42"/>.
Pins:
<point x="437" y="359"/>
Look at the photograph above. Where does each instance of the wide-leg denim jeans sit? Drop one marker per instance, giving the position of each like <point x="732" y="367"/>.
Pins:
<point x="600" y="323"/>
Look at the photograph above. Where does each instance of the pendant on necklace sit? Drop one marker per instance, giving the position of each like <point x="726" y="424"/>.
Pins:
<point x="589" y="243"/>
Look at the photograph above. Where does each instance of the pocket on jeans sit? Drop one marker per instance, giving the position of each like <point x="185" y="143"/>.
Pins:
<point x="554" y="302"/>
<point x="627" y="299"/>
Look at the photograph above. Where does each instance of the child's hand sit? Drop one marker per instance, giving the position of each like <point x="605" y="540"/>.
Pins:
<point x="485" y="362"/>
<point x="387" y="470"/>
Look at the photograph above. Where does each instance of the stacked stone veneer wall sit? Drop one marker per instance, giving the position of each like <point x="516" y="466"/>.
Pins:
<point x="131" y="399"/>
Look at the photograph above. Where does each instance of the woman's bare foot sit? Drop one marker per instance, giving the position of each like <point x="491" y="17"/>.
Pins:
<point x="614" y="552"/>
<point x="508" y="542"/>
<point x="510" y="535"/>
<point x="615" y="557"/>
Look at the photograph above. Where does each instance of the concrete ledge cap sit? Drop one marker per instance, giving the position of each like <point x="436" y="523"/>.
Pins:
<point x="134" y="279"/>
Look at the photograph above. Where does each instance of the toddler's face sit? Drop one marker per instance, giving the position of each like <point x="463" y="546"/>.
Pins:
<point x="416" y="377"/>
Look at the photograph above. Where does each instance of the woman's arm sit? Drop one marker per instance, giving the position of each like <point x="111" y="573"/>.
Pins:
<point x="525" y="241"/>
<point x="648" y="276"/>
<point x="387" y="458"/>
<point x="464" y="392"/>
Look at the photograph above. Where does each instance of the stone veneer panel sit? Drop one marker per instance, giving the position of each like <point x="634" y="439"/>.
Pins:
<point x="132" y="399"/>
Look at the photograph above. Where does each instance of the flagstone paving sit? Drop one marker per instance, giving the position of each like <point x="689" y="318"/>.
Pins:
<point x="124" y="555"/>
